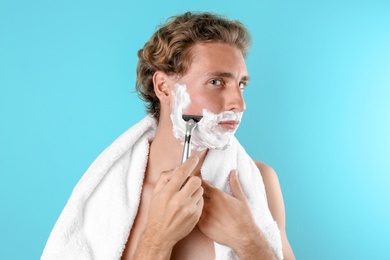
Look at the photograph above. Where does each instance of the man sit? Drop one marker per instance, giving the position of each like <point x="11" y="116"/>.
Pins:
<point x="192" y="65"/>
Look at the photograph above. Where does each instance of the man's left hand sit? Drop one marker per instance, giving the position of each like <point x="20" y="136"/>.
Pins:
<point x="226" y="219"/>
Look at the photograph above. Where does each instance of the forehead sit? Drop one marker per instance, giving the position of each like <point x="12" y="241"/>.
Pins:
<point x="219" y="57"/>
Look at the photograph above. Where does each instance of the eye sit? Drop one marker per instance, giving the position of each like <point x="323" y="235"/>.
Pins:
<point x="242" y="85"/>
<point x="215" y="82"/>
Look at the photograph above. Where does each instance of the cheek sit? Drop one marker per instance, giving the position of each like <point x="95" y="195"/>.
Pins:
<point x="200" y="102"/>
<point x="196" y="106"/>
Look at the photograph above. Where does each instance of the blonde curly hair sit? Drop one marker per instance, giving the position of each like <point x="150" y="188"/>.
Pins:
<point x="169" y="49"/>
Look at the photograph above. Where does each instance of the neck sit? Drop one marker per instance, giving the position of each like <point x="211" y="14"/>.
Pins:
<point x="166" y="151"/>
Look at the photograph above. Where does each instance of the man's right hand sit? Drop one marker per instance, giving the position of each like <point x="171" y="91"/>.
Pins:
<point x="175" y="207"/>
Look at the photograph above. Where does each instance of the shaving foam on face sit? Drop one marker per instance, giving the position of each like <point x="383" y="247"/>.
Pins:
<point x="208" y="133"/>
<point x="180" y="101"/>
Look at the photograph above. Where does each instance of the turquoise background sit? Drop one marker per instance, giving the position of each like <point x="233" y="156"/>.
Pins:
<point x="318" y="110"/>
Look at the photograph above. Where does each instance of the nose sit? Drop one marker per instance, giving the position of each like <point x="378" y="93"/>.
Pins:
<point x="235" y="100"/>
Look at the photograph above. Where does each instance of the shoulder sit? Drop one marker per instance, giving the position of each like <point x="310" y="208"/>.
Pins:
<point x="270" y="178"/>
<point x="273" y="192"/>
<point x="265" y="170"/>
<point x="276" y="204"/>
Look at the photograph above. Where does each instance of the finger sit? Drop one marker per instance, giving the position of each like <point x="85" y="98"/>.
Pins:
<point x="163" y="179"/>
<point x="198" y="194"/>
<point x="197" y="199"/>
<point x="199" y="206"/>
<point x="191" y="174"/>
<point x="235" y="186"/>
<point x="193" y="183"/>
<point x="182" y="173"/>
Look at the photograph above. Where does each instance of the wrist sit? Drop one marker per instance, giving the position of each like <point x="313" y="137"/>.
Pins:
<point x="152" y="247"/>
<point x="254" y="246"/>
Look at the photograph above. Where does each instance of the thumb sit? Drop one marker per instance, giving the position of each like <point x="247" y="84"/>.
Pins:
<point x="235" y="186"/>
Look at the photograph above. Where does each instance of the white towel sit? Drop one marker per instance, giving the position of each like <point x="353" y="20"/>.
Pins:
<point x="97" y="219"/>
<point x="216" y="169"/>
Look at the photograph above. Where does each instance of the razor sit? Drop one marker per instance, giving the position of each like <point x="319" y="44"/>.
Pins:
<point x="191" y="123"/>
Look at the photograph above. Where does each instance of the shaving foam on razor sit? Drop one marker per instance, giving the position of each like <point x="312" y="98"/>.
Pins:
<point x="208" y="133"/>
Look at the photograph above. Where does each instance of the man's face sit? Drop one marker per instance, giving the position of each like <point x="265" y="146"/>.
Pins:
<point x="215" y="80"/>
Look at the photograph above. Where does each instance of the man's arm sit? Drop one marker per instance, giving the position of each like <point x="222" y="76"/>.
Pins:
<point x="175" y="208"/>
<point x="276" y="204"/>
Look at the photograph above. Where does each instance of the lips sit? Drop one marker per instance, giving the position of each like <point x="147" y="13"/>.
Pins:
<point x="229" y="125"/>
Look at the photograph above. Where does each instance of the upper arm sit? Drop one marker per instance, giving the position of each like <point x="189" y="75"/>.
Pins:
<point x="276" y="204"/>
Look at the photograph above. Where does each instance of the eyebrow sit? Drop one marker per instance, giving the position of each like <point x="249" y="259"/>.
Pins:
<point x="227" y="75"/>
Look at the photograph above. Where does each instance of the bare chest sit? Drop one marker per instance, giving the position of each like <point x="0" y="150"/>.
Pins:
<point x="195" y="246"/>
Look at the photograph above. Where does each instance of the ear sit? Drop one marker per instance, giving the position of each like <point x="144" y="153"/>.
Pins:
<point x="161" y="83"/>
